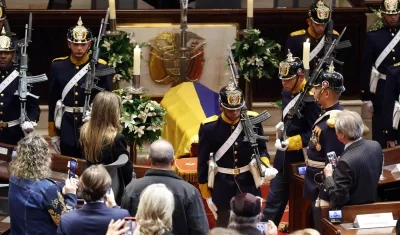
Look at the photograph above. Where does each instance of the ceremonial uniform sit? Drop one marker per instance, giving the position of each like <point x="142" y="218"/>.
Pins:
<point x="374" y="45"/>
<point x="298" y="133"/>
<point x="391" y="105"/>
<point x="62" y="71"/>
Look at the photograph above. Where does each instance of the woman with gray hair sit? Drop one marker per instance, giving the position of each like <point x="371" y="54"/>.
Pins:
<point x="154" y="215"/>
<point x="36" y="202"/>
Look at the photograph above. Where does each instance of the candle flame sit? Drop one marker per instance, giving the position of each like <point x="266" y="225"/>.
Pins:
<point x="308" y="40"/>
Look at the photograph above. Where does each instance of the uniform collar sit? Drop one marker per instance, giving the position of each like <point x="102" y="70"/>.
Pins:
<point x="82" y="61"/>
<point x="299" y="87"/>
<point x="311" y="32"/>
<point x="227" y="120"/>
<point x="333" y="107"/>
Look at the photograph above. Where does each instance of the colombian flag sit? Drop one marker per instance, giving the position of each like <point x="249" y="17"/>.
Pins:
<point x="187" y="105"/>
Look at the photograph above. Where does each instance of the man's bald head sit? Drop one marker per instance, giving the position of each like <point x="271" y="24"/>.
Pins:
<point x="161" y="153"/>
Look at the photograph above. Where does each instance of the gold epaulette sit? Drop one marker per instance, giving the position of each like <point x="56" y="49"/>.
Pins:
<point x="298" y="33"/>
<point x="397" y="64"/>
<point x="101" y="61"/>
<point x="252" y="113"/>
<point x="332" y="118"/>
<point x="210" y="119"/>
<point x="336" y="32"/>
<point x="60" y="58"/>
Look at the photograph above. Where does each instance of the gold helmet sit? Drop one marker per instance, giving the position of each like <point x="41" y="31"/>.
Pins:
<point x="79" y="33"/>
<point x="5" y="42"/>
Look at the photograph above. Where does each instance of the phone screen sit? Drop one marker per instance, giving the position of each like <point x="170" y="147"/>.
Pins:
<point x="72" y="168"/>
<point x="131" y="223"/>
<point x="332" y="159"/>
<point x="301" y="170"/>
<point x="335" y="216"/>
<point x="263" y="227"/>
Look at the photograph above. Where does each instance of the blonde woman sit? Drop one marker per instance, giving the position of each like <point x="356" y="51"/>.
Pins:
<point x="36" y="202"/>
<point x="154" y="215"/>
<point x="101" y="138"/>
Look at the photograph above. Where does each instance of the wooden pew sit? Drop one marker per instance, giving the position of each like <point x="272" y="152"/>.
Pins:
<point x="300" y="209"/>
<point x="349" y="213"/>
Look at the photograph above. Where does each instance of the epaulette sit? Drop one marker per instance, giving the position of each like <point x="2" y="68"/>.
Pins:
<point x="397" y="64"/>
<point x="336" y="32"/>
<point x="252" y="113"/>
<point x="101" y="61"/>
<point x="298" y="33"/>
<point x="210" y="119"/>
<point x="60" y="58"/>
<point x="332" y="118"/>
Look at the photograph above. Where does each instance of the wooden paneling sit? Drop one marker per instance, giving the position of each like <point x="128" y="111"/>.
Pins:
<point x="50" y="28"/>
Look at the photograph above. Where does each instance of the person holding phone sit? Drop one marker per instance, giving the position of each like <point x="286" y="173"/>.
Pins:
<point x="100" y="207"/>
<point x="328" y="88"/>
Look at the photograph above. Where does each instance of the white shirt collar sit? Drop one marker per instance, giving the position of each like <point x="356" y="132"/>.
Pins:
<point x="351" y="142"/>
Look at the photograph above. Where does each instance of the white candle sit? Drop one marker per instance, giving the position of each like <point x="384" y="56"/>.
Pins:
<point x="306" y="54"/>
<point x="250" y="8"/>
<point x="111" y="5"/>
<point x="136" y="61"/>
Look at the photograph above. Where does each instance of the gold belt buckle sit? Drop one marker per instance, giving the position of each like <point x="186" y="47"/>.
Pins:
<point x="3" y="124"/>
<point x="76" y="110"/>
<point x="236" y="171"/>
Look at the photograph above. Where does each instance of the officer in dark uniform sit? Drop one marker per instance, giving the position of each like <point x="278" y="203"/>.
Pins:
<point x="374" y="45"/>
<point x="318" y="17"/>
<point x="11" y="130"/>
<point x="213" y="133"/>
<point x="327" y="90"/>
<point x="391" y="106"/>
<point x="299" y="132"/>
<point x="66" y="138"/>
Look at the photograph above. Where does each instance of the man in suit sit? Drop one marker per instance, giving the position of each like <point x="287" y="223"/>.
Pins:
<point x="189" y="216"/>
<point x="355" y="179"/>
<point x="298" y="134"/>
<point x="67" y="96"/>
<point x="327" y="89"/>
<point x="377" y="59"/>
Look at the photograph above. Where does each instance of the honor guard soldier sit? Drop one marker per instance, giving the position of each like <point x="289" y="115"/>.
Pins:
<point x="67" y="95"/>
<point x="11" y="130"/>
<point x="319" y="16"/>
<point x="391" y="106"/>
<point x="327" y="90"/>
<point x="299" y="133"/>
<point x="223" y="136"/>
<point x="381" y="50"/>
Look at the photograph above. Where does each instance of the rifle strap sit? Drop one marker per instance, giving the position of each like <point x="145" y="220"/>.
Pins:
<point x="318" y="48"/>
<point x="290" y="105"/>
<point x="228" y="143"/>
<point x="74" y="80"/>
<point x="387" y="50"/>
<point x="8" y="80"/>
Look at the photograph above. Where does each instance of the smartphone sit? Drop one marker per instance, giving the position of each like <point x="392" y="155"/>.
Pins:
<point x="262" y="227"/>
<point x="335" y="216"/>
<point x="131" y="223"/>
<point x="301" y="170"/>
<point x="73" y="164"/>
<point x="332" y="159"/>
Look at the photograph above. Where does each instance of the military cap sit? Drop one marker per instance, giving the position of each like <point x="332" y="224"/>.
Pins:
<point x="246" y="205"/>
<point x="5" y="42"/>
<point x="390" y="7"/>
<point x="231" y="97"/>
<point x="319" y="13"/>
<point x="79" y="33"/>
<point x="330" y="79"/>
<point x="290" y="67"/>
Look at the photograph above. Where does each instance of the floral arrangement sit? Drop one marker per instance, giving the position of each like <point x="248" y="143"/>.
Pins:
<point x="378" y="20"/>
<point x="256" y="56"/>
<point x="142" y="117"/>
<point x="118" y="51"/>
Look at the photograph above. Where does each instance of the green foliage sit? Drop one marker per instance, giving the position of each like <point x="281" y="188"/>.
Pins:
<point x="118" y="52"/>
<point x="378" y="20"/>
<point x="256" y="56"/>
<point x="278" y="104"/>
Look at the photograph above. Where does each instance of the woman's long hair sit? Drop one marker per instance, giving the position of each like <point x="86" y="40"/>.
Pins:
<point x="102" y="127"/>
<point x="33" y="159"/>
<point x="155" y="210"/>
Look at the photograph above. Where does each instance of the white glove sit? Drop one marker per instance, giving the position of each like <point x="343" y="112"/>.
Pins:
<point x="28" y="127"/>
<point x="87" y="116"/>
<point x="370" y="106"/>
<point x="212" y="207"/>
<point x="282" y="146"/>
<point x="269" y="174"/>
<point x="55" y="142"/>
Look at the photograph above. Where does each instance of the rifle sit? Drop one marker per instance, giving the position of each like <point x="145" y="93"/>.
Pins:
<point x="92" y="73"/>
<point x="25" y="82"/>
<point x="248" y="123"/>
<point x="300" y="104"/>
